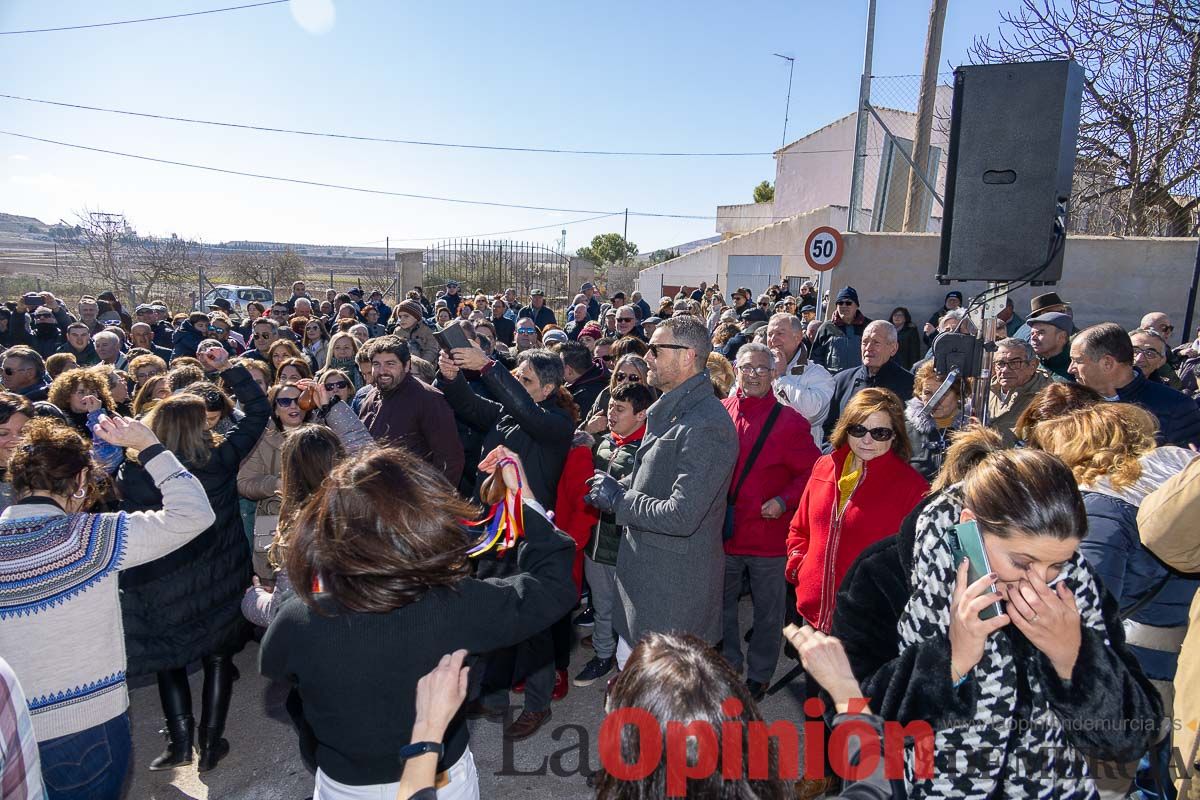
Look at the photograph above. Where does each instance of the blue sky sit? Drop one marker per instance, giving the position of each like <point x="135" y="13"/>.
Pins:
<point x="690" y="76"/>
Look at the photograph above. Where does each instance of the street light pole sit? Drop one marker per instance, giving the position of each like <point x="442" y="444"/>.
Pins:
<point x="788" y="103"/>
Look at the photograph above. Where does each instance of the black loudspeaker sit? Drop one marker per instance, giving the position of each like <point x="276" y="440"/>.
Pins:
<point x="1008" y="174"/>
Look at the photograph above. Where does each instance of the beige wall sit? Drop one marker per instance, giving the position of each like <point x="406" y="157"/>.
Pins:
<point x="743" y="218"/>
<point x="1104" y="278"/>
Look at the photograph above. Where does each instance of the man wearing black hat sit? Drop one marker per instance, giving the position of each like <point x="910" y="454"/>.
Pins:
<point x="953" y="300"/>
<point x="540" y="313"/>
<point x="837" y="344"/>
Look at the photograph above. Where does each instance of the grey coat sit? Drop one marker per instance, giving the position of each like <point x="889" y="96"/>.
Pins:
<point x="670" y="568"/>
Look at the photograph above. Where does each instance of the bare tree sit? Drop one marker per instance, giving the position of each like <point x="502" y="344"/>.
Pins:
<point x="101" y="251"/>
<point x="1139" y="133"/>
<point x="269" y="269"/>
<point x="166" y="267"/>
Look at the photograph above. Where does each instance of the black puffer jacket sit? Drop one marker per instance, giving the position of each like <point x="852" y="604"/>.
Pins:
<point x="187" y="604"/>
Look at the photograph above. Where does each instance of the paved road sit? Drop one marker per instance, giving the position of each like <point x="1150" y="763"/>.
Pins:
<point x="265" y="763"/>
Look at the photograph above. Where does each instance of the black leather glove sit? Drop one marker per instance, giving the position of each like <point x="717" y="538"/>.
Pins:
<point x="605" y="492"/>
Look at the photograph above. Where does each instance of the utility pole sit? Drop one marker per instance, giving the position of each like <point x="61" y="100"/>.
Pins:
<point x="787" y="105"/>
<point x="860" y="135"/>
<point x="915" y="216"/>
<point x="624" y="248"/>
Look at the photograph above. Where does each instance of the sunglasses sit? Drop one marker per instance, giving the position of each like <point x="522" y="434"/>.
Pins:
<point x="625" y="319"/>
<point x="626" y="376"/>
<point x="878" y="434"/>
<point x="654" y="348"/>
<point x="1168" y="329"/>
<point x="764" y="303"/>
<point x="336" y="385"/>
<point x="262" y="336"/>
<point x="607" y="359"/>
<point x="285" y="401"/>
<point x="219" y="330"/>
<point x="747" y="369"/>
<point x="527" y="331"/>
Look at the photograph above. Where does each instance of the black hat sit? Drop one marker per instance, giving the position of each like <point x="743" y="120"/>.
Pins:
<point x="221" y="303"/>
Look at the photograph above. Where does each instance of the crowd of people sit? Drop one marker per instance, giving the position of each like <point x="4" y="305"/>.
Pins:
<point x="414" y="508"/>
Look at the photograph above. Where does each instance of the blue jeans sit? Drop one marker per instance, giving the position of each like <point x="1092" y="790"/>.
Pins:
<point x="89" y="765"/>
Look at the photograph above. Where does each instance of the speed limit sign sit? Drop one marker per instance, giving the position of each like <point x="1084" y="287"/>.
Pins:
<point x="824" y="248"/>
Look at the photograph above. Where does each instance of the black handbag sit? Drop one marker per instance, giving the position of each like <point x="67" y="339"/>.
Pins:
<point x="731" y="498"/>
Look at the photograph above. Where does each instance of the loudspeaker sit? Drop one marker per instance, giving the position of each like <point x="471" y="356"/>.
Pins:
<point x="1013" y="129"/>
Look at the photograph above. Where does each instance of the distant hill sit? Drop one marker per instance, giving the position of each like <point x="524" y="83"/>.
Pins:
<point x="14" y="223"/>
<point x="684" y="248"/>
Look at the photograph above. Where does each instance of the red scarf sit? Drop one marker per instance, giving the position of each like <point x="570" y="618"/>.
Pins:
<point x="636" y="436"/>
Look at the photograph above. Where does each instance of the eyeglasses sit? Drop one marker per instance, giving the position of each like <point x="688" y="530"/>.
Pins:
<point x="765" y="303"/>
<point x="527" y="331"/>
<point x="626" y="376"/>
<point x="878" y="434"/>
<point x="845" y="302"/>
<point x="144" y="375"/>
<point x="654" y="348"/>
<point x="747" y="369"/>
<point x="1012" y="363"/>
<point x="1168" y="329"/>
<point x="336" y="385"/>
<point x="1147" y="352"/>
<point x="285" y="401"/>
<point x="219" y="330"/>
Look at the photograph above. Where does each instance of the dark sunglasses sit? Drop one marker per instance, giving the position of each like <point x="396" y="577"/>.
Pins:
<point x="219" y="330"/>
<point x="1169" y="328"/>
<point x="527" y="331"/>
<point x="765" y="303"/>
<point x="878" y="434"/>
<point x="654" y="348"/>
<point x="285" y="401"/>
<point x="626" y="376"/>
<point x="262" y="336"/>
<point x="607" y="359"/>
<point x="333" y="387"/>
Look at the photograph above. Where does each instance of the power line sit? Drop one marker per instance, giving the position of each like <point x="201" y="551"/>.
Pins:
<point x="415" y="142"/>
<point x="359" y="189"/>
<point x="144" y="19"/>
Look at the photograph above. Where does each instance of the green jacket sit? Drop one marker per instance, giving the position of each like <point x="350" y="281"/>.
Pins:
<point x="618" y="462"/>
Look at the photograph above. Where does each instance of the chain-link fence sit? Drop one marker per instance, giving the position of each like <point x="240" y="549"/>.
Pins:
<point x="894" y="198"/>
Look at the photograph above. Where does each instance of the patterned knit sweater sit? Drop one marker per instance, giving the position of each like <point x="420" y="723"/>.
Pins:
<point x="60" y="617"/>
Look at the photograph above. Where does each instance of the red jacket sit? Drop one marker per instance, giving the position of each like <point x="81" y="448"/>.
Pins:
<point x="781" y="470"/>
<point x="821" y="547"/>
<point x="573" y="516"/>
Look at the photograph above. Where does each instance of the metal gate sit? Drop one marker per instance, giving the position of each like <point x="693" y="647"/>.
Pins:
<point x="492" y="266"/>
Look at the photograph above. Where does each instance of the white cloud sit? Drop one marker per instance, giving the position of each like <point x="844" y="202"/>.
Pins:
<point x="18" y="157"/>
<point x="314" y="16"/>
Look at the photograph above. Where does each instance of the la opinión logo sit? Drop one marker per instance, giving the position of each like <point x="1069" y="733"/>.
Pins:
<point x="744" y="749"/>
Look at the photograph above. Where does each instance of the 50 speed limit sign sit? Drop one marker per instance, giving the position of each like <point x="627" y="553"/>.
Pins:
<point x="824" y="248"/>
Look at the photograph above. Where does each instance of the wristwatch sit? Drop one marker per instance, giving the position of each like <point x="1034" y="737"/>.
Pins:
<point x="415" y="749"/>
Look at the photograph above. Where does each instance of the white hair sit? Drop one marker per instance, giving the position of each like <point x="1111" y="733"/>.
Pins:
<point x="885" y="328"/>
<point x="107" y="336"/>
<point x="755" y="347"/>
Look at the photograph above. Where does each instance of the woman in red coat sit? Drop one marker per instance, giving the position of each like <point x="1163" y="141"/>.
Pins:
<point x="857" y="495"/>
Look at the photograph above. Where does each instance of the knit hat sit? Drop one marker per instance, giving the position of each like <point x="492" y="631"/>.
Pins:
<point x="848" y="293"/>
<point x="552" y="336"/>
<point x="412" y="308"/>
<point x="956" y="294"/>
<point x="592" y="330"/>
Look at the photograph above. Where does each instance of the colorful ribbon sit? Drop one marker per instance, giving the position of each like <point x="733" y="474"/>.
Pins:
<point x="505" y="523"/>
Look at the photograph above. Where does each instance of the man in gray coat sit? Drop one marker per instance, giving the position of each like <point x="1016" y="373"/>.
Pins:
<point x="670" y="567"/>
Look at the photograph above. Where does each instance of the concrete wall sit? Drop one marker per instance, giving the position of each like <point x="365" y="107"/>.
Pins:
<point x="1104" y="278"/>
<point x="743" y="218"/>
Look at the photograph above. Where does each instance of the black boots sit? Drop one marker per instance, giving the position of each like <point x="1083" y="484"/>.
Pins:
<point x="177" y="706"/>
<point x="218" y="688"/>
<point x="176" y="697"/>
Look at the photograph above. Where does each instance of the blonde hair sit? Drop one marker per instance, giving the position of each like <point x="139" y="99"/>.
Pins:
<point x="333" y="340"/>
<point x="1103" y="440"/>
<point x="721" y="373"/>
<point x="863" y="405"/>
<point x="178" y="422"/>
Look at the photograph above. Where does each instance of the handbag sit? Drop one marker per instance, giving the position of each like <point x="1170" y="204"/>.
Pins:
<point x="731" y="498"/>
<point x="264" y="533"/>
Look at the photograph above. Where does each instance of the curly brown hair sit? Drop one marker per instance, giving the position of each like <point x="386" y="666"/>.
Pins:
<point x="84" y="380"/>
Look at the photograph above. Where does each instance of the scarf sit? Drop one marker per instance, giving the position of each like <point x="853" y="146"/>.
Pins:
<point x="1023" y="761"/>
<point x="348" y="366"/>
<point x="636" y="436"/>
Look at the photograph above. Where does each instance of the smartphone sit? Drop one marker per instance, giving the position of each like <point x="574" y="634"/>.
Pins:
<point x="967" y="542"/>
<point x="451" y="336"/>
